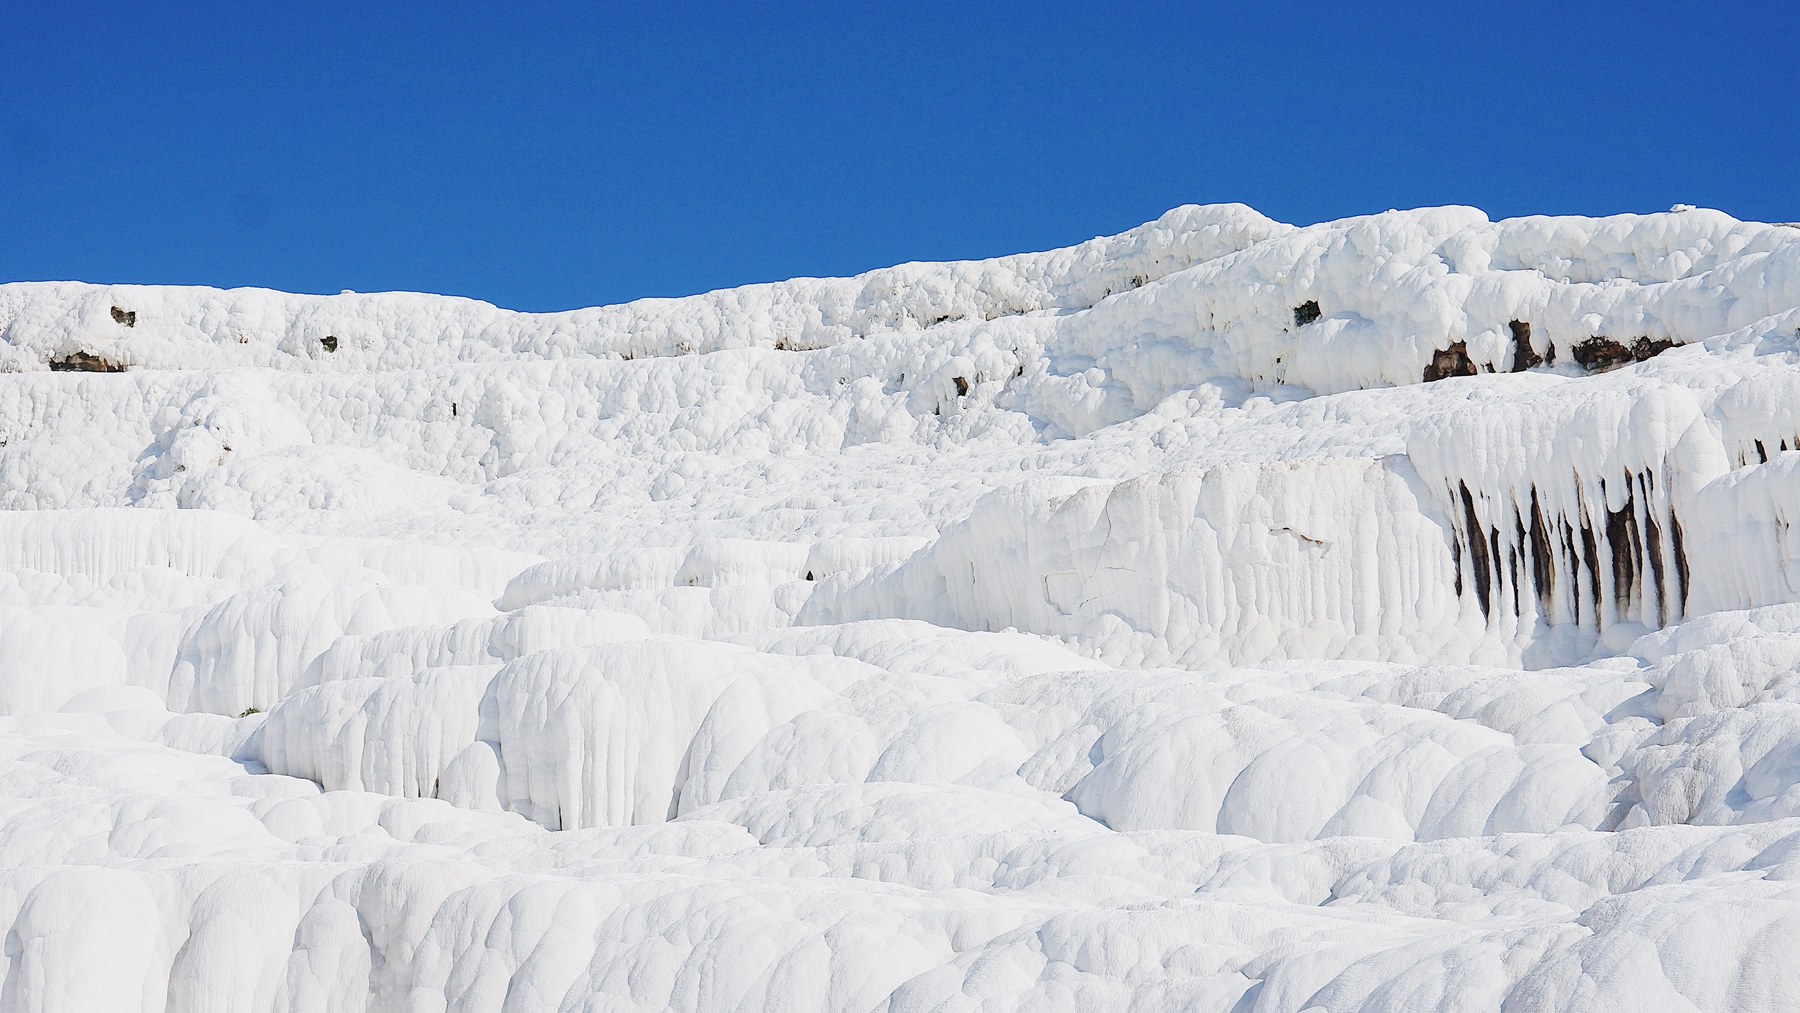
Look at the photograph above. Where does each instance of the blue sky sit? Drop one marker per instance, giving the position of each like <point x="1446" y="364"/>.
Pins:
<point x="578" y="154"/>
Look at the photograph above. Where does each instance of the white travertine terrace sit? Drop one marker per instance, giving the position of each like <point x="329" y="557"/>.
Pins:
<point x="1397" y="613"/>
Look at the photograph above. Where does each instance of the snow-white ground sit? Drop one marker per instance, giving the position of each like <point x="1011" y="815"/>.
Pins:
<point x="1130" y="626"/>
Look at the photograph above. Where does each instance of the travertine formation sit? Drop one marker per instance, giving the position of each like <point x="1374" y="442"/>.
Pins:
<point x="1398" y="613"/>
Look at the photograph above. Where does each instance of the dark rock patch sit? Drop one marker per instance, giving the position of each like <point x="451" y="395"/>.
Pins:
<point x="1479" y="560"/>
<point x="82" y="362"/>
<point x="328" y="342"/>
<point x="126" y="317"/>
<point x="1524" y="357"/>
<point x="1306" y="313"/>
<point x="1599" y="354"/>
<point x="1452" y="361"/>
<point x="962" y="386"/>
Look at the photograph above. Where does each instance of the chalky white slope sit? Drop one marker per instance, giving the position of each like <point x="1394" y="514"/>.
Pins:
<point x="1400" y="613"/>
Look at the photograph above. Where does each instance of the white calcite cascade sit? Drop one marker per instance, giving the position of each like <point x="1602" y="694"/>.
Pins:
<point x="1397" y="613"/>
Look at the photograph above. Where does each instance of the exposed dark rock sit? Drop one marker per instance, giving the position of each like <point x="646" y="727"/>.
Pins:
<point x="82" y="362"/>
<point x="1306" y="313"/>
<point x="1452" y="361"/>
<point x="329" y="342"/>
<point x="1597" y="354"/>
<point x="962" y="386"/>
<point x="1523" y="356"/>
<point x="1653" y="542"/>
<point x="1601" y="353"/>
<point x="126" y="317"/>
<point x="1681" y="562"/>
<point x="1626" y="547"/>
<point x="1543" y="561"/>
<point x="1479" y="558"/>
<point x="1590" y="556"/>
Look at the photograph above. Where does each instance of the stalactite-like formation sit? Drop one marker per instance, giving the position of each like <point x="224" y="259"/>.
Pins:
<point x="1593" y="567"/>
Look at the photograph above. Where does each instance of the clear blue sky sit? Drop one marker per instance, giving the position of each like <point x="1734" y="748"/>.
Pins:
<point x="555" y="155"/>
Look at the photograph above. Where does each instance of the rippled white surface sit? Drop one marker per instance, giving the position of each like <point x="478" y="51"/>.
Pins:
<point x="1120" y="627"/>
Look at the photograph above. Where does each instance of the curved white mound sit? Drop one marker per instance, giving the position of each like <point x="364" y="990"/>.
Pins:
<point x="1394" y="613"/>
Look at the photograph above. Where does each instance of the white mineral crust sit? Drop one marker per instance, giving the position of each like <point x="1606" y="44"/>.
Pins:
<point x="1398" y="613"/>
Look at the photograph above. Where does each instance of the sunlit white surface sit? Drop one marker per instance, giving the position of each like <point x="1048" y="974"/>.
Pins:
<point x="1161" y="623"/>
